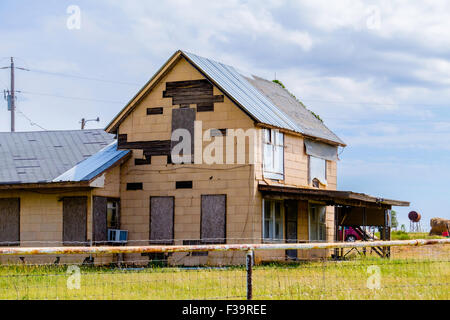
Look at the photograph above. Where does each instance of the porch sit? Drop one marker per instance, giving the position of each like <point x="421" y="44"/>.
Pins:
<point x="351" y="210"/>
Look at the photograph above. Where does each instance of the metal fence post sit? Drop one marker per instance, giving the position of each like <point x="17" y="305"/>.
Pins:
<point x="249" y="274"/>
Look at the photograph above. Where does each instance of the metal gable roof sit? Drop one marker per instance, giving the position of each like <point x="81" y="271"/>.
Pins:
<point x="40" y="156"/>
<point x="264" y="101"/>
<point x="94" y="165"/>
<point x="252" y="100"/>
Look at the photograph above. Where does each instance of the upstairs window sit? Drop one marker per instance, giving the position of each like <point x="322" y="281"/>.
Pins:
<point x="273" y="153"/>
<point x="317" y="171"/>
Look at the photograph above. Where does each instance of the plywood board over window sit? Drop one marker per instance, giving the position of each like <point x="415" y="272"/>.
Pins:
<point x="9" y="221"/>
<point x="162" y="211"/>
<point x="75" y="220"/>
<point x="99" y="217"/>
<point x="184" y="119"/>
<point x="213" y="218"/>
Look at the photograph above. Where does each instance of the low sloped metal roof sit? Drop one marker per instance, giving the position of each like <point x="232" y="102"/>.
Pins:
<point x="265" y="101"/>
<point x="94" y="165"/>
<point x="332" y="197"/>
<point x="41" y="156"/>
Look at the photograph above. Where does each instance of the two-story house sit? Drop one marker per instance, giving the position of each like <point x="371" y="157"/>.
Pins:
<point x="204" y="154"/>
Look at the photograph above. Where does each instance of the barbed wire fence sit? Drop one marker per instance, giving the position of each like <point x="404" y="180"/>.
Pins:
<point x="416" y="269"/>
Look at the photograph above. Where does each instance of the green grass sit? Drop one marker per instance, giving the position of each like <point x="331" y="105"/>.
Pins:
<point x="402" y="235"/>
<point x="401" y="278"/>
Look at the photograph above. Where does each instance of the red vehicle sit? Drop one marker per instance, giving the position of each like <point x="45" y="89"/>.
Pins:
<point x="350" y="234"/>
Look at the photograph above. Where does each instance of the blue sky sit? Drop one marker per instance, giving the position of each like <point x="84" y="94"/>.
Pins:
<point x="377" y="72"/>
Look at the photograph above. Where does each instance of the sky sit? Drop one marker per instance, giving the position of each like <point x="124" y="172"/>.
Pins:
<point x="377" y="73"/>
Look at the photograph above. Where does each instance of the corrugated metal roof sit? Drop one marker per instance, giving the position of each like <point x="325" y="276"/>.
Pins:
<point x="252" y="100"/>
<point x="284" y="100"/>
<point x="40" y="156"/>
<point x="264" y="102"/>
<point x="94" y="165"/>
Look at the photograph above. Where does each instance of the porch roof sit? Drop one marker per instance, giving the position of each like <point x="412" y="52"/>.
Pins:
<point x="331" y="197"/>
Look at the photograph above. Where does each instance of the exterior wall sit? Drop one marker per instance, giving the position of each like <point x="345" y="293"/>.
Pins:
<point x="296" y="174"/>
<point x="238" y="182"/>
<point x="41" y="218"/>
<point x="111" y="186"/>
<point x="41" y="214"/>
<point x="158" y="178"/>
<point x="295" y="161"/>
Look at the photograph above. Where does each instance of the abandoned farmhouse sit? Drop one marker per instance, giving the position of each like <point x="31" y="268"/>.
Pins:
<point x="254" y="166"/>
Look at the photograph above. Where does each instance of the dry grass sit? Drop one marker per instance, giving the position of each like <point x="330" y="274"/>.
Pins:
<point x="412" y="273"/>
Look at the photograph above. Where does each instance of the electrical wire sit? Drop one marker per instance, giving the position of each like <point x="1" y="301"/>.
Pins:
<point x="71" y="98"/>
<point x="32" y="123"/>
<point x="59" y="74"/>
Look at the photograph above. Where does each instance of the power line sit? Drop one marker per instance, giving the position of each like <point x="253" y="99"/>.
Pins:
<point x="59" y="74"/>
<point x="71" y="98"/>
<point x="32" y="123"/>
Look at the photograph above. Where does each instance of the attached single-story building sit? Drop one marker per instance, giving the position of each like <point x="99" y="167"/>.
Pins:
<point x="201" y="154"/>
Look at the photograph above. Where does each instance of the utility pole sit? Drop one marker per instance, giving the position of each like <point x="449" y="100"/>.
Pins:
<point x="13" y="104"/>
<point x="11" y="96"/>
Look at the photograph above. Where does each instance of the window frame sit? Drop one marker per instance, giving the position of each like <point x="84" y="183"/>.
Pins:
<point x="117" y="202"/>
<point x="202" y="212"/>
<point x="276" y="148"/>
<point x="318" y="224"/>
<point x="310" y="177"/>
<point x="273" y="220"/>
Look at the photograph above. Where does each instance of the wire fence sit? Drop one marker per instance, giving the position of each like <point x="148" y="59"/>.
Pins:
<point x="416" y="269"/>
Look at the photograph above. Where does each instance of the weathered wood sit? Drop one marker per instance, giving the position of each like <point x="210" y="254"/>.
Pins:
<point x="154" y="147"/>
<point x="191" y="92"/>
<point x="332" y="197"/>
<point x="183" y="185"/>
<point x="141" y="162"/>
<point x="152" y="111"/>
<point x="205" y="107"/>
<point x="150" y="148"/>
<point x="75" y="220"/>
<point x="134" y="186"/>
<point x="184" y="119"/>
<point x="213" y="218"/>
<point x="100" y="234"/>
<point x="9" y="221"/>
<point x="162" y="210"/>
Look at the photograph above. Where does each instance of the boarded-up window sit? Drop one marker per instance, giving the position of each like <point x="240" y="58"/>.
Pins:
<point x="74" y="220"/>
<point x="213" y="219"/>
<point x="161" y="220"/>
<point x="184" y="119"/>
<point x="99" y="218"/>
<point x="9" y="222"/>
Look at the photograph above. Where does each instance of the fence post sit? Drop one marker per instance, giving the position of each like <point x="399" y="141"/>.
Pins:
<point x="249" y="274"/>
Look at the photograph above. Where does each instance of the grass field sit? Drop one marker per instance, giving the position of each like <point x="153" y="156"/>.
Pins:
<point x="410" y="274"/>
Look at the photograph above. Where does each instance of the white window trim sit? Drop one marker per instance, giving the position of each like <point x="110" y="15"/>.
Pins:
<point x="311" y="178"/>
<point x="272" y="207"/>
<point x="272" y="174"/>
<point x="318" y="224"/>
